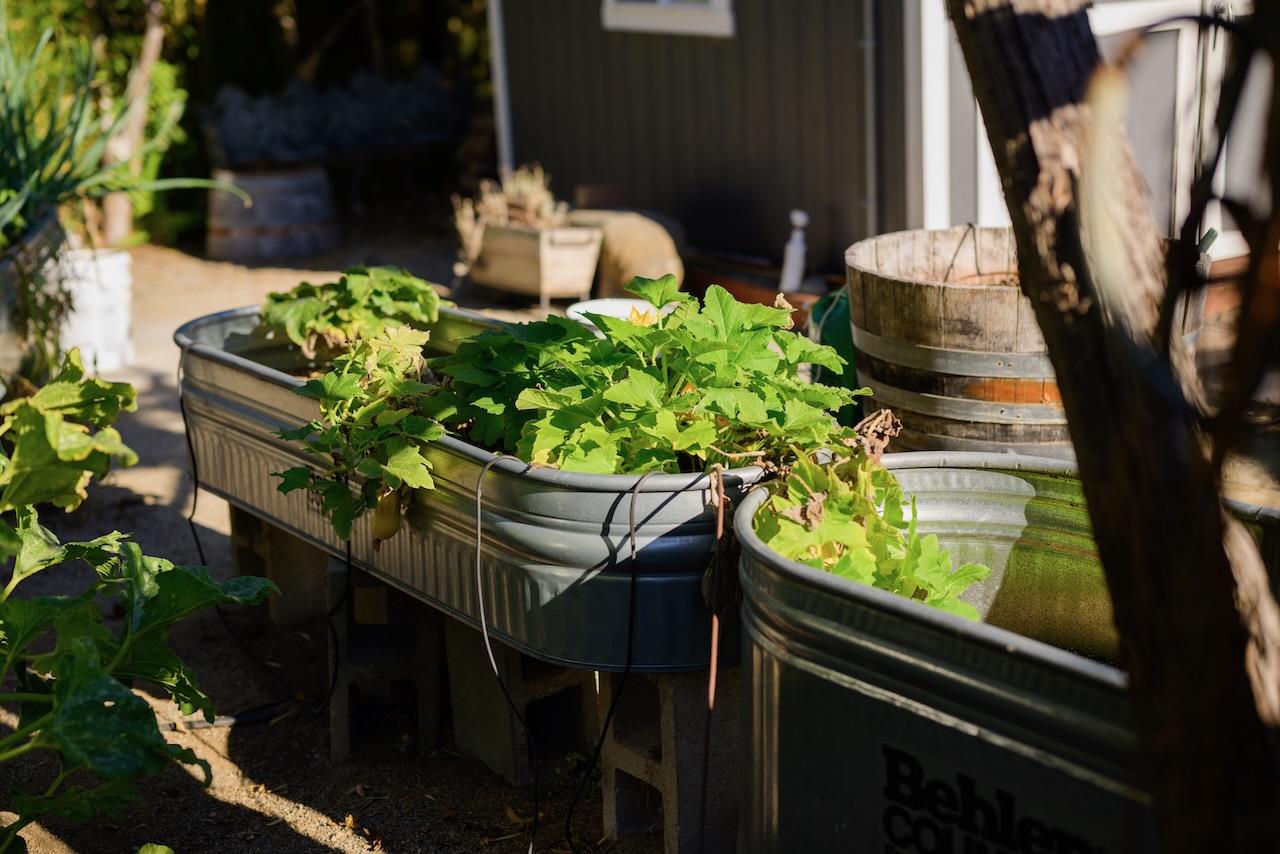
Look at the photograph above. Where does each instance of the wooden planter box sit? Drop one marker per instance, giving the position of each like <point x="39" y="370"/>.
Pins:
<point x="547" y="263"/>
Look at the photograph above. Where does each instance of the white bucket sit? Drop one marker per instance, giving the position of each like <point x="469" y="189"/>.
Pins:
<point x="100" y="282"/>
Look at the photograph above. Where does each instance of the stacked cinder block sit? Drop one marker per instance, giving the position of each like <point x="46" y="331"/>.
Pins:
<point x="381" y="636"/>
<point x="652" y="761"/>
<point x="297" y="567"/>
<point x="558" y="703"/>
<point x="651" y="765"/>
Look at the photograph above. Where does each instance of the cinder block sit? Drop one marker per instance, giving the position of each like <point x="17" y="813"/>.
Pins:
<point x="558" y="703"/>
<point x="382" y="636"/>
<point x="651" y="765"/>
<point x="297" y="567"/>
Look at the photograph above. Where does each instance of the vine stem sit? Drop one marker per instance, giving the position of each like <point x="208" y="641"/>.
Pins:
<point x="10" y="831"/>
<point x="62" y="775"/>
<point x="26" y="697"/>
<point x="8" y="588"/>
<point x="23" y="732"/>
<point x="17" y="751"/>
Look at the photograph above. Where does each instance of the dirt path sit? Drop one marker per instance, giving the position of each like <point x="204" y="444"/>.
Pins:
<point x="274" y="789"/>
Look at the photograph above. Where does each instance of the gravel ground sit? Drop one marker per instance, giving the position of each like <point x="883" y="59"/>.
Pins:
<point x="274" y="789"/>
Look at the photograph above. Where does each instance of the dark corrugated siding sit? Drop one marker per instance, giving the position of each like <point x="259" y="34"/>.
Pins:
<point x="727" y="135"/>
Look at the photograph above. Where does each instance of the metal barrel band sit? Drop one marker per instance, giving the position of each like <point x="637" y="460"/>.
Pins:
<point x="964" y="409"/>
<point x="945" y="360"/>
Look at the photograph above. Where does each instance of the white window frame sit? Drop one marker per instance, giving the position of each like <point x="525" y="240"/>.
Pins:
<point x="673" y="17"/>
<point x="927" y="36"/>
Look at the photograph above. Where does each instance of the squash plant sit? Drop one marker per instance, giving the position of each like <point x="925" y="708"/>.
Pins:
<point x="846" y="517"/>
<point x="370" y="430"/>
<point x="323" y="320"/>
<point x="705" y="383"/>
<point x="64" y="668"/>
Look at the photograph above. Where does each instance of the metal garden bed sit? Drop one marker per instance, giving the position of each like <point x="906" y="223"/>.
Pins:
<point x="879" y="724"/>
<point x="556" y="544"/>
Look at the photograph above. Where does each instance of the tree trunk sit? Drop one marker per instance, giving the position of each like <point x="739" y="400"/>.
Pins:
<point x="117" y="209"/>
<point x="1199" y="626"/>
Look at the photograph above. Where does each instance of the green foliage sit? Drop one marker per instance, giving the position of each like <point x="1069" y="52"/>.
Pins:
<point x="371" y="433"/>
<point x="323" y="319"/>
<point x="702" y="384"/>
<point x="72" y="668"/>
<point x="709" y="383"/>
<point x="115" y="28"/>
<point x="59" y="438"/>
<point x="467" y="54"/>
<point x="57" y="115"/>
<point x="73" y="671"/>
<point x="846" y="517"/>
<point x="54" y="129"/>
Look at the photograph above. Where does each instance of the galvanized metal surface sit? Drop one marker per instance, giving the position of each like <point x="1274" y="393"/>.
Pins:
<point x="878" y="724"/>
<point x="556" y="568"/>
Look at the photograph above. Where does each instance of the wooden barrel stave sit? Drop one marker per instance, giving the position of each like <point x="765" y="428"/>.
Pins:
<point x="946" y="339"/>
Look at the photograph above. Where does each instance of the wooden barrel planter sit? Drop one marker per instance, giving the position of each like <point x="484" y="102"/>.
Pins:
<point x="946" y="339"/>
<point x="292" y="216"/>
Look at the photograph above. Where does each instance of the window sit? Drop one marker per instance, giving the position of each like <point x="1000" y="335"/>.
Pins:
<point x="680" y="17"/>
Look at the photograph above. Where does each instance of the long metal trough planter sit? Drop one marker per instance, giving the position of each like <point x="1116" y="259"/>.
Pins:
<point x="556" y="563"/>
<point x="879" y="724"/>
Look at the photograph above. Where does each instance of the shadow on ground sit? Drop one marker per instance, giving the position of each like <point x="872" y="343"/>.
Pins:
<point x="274" y="788"/>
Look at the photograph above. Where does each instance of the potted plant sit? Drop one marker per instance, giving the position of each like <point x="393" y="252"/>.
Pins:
<point x="60" y="146"/>
<point x="515" y="237"/>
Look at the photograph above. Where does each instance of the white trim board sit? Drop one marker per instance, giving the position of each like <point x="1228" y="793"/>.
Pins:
<point x="673" y="17"/>
<point x="926" y="52"/>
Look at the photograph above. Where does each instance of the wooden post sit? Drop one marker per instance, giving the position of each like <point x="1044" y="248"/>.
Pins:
<point x="1197" y="620"/>
<point x="123" y="147"/>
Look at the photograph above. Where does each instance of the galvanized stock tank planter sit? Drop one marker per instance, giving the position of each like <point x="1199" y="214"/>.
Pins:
<point x="878" y="724"/>
<point x="556" y="544"/>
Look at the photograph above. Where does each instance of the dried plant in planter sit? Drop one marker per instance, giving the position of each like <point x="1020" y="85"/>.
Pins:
<point x="524" y="198"/>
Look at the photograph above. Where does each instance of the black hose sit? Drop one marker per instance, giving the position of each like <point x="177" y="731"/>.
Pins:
<point x="622" y="681"/>
<point x="493" y="662"/>
<point x="257" y="714"/>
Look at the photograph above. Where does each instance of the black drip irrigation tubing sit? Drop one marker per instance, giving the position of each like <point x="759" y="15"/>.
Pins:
<point x="267" y="712"/>
<point x="622" y="680"/>
<point x="488" y="647"/>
